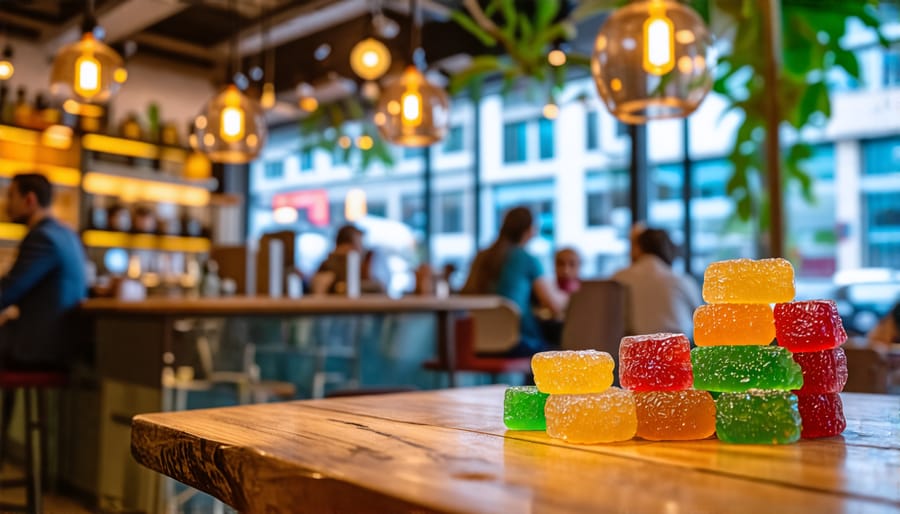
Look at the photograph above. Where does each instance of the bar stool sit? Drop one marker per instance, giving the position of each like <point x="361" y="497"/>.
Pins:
<point x="35" y="384"/>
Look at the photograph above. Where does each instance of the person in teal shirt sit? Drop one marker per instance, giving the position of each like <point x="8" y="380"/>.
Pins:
<point x="508" y="270"/>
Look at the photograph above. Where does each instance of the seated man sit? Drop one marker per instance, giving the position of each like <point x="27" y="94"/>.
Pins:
<point x="47" y="281"/>
<point x="659" y="300"/>
<point x="332" y="274"/>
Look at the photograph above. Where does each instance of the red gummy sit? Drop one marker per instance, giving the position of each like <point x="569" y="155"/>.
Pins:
<point x="658" y="362"/>
<point x="809" y="326"/>
<point x="822" y="415"/>
<point x="823" y="372"/>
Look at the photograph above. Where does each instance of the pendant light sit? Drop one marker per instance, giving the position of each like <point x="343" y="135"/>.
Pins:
<point x="370" y="59"/>
<point x="412" y="111"/>
<point x="231" y="129"/>
<point x="88" y="70"/>
<point x="6" y="66"/>
<point x="652" y="60"/>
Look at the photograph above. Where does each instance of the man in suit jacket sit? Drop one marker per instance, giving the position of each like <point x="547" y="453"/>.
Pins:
<point x="47" y="281"/>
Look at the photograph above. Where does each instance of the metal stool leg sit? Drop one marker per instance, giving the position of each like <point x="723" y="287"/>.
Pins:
<point x="34" y="484"/>
<point x="43" y="436"/>
<point x="9" y="402"/>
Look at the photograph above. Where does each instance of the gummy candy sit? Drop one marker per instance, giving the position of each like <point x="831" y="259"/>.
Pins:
<point x="758" y="417"/>
<point x="523" y="408"/>
<point x="658" y="362"/>
<point x="733" y="324"/>
<point x="675" y="415"/>
<point x="592" y="418"/>
<point x="823" y="372"/>
<point x="809" y="326"/>
<point x="740" y="368"/>
<point x="572" y="372"/>
<point x="749" y="281"/>
<point x="822" y="414"/>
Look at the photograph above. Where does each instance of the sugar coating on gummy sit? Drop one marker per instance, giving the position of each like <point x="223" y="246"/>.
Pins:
<point x="572" y="372"/>
<point x="822" y="415"/>
<point x="749" y="281"/>
<point x="656" y="362"/>
<point x="675" y="415"/>
<point x="604" y="417"/>
<point x="523" y="408"/>
<point x="734" y="324"/>
<point x="809" y="326"/>
<point x="823" y="372"/>
<point x="758" y="417"/>
<point x="741" y="368"/>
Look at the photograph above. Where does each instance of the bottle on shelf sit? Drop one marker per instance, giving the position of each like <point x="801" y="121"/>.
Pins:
<point x="22" y="111"/>
<point x="211" y="284"/>
<point x="6" y="106"/>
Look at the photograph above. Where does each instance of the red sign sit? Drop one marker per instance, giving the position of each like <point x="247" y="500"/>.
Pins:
<point x="314" y="201"/>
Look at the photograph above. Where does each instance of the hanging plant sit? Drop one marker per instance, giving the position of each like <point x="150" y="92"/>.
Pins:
<point x="326" y="129"/>
<point x="811" y="50"/>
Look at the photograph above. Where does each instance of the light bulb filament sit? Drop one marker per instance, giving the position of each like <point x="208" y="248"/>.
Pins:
<point x="232" y="124"/>
<point x="659" y="43"/>
<point x="411" y="108"/>
<point x="87" y="75"/>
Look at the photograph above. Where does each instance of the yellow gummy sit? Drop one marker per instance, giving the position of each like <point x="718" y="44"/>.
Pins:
<point x="749" y="281"/>
<point x="734" y="324"/>
<point x="604" y="417"/>
<point x="572" y="372"/>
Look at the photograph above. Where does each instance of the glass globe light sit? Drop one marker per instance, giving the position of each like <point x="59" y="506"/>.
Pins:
<point x="87" y="71"/>
<point x="412" y="111"/>
<point x="231" y="129"/>
<point x="652" y="60"/>
<point x="370" y="59"/>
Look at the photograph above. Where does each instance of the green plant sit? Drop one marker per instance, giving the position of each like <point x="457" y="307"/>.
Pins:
<point x="811" y="35"/>
<point x="326" y="129"/>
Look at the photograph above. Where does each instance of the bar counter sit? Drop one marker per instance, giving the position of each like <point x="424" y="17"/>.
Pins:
<point x="133" y="339"/>
<point x="448" y="451"/>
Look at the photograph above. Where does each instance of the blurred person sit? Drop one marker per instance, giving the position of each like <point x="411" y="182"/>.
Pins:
<point x="887" y="331"/>
<point x="659" y="300"/>
<point x="332" y="273"/>
<point x="507" y="269"/>
<point x="568" y="266"/>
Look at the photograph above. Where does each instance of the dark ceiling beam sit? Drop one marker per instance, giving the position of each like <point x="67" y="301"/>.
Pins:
<point x="178" y="47"/>
<point x="120" y="20"/>
<point x="30" y="24"/>
<point x="295" y="23"/>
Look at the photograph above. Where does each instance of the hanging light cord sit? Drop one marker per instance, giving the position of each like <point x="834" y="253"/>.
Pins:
<point x="414" y="36"/>
<point x="233" y="62"/>
<point x="89" y="22"/>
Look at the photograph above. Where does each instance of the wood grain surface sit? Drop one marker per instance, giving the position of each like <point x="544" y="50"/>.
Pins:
<point x="246" y="305"/>
<point x="448" y="451"/>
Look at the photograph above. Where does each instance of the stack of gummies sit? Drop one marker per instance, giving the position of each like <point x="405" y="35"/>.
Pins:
<point x="813" y="331"/>
<point x="734" y="356"/>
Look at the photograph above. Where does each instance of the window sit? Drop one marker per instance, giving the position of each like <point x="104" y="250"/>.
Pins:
<point x="592" y="133"/>
<point x="606" y="192"/>
<point x="545" y="133"/>
<point x="514" y="142"/>
<point x="306" y="159"/>
<point x="882" y="233"/>
<point x="339" y="156"/>
<point x="450" y="213"/>
<point x="413" y="153"/>
<point x="377" y="208"/>
<point x="881" y="157"/>
<point x="621" y="129"/>
<point x="892" y="67"/>
<point x="336" y="213"/>
<point x="412" y="212"/>
<point x="454" y="141"/>
<point x="273" y="169"/>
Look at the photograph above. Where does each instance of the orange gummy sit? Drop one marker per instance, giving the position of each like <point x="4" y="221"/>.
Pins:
<point x="572" y="372"/>
<point x="749" y="281"/>
<point x="734" y="324"/>
<point x="675" y="415"/>
<point x="604" y="417"/>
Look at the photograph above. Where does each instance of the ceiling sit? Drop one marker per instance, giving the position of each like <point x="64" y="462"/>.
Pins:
<point x="199" y="32"/>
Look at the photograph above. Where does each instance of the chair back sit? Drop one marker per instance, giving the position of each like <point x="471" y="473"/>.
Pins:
<point x="495" y="330"/>
<point x="867" y="370"/>
<point x="595" y="317"/>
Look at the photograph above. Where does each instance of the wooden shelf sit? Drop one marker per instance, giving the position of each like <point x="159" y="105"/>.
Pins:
<point x="132" y="148"/>
<point x="149" y="186"/>
<point x="109" y="239"/>
<point x="12" y="231"/>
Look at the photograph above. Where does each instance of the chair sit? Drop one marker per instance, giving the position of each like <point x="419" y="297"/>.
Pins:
<point x="867" y="369"/>
<point x="595" y="317"/>
<point x="481" y="333"/>
<point x="34" y="384"/>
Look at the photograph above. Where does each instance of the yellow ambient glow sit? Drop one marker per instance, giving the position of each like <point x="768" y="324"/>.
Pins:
<point x="411" y="108"/>
<point x="551" y="111"/>
<point x="6" y="70"/>
<point x="104" y="239"/>
<point x="344" y="142"/>
<point x="120" y="75"/>
<point x="659" y="42"/>
<point x="285" y="215"/>
<point x="145" y="190"/>
<point x="120" y="146"/>
<point x="87" y="75"/>
<point x="232" y="124"/>
<point x="309" y="103"/>
<point x="556" y="57"/>
<point x="267" y="99"/>
<point x="12" y="231"/>
<point x="355" y="205"/>
<point x="370" y="59"/>
<point x="365" y="142"/>
<point x="57" y="136"/>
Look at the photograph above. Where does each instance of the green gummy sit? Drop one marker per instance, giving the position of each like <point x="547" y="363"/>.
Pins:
<point x="523" y="408"/>
<point x="758" y="417"/>
<point x="733" y="369"/>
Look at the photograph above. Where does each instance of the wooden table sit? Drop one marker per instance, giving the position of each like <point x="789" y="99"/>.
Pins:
<point x="448" y="451"/>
